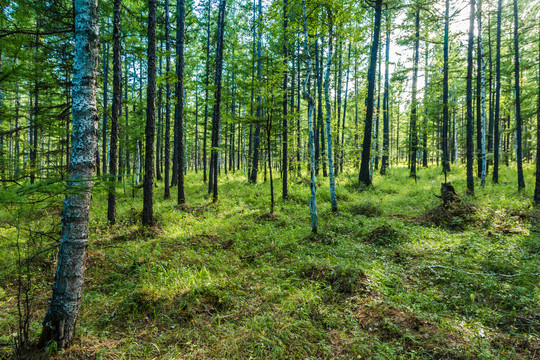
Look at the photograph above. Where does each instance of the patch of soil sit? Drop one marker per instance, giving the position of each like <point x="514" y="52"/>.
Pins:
<point x="385" y="235"/>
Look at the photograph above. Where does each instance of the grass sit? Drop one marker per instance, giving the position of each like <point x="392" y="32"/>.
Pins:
<point x="381" y="280"/>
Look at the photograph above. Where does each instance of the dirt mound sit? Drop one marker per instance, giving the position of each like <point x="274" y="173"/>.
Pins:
<point x="385" y="235"/>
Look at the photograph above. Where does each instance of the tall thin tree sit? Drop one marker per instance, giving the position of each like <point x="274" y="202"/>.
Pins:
<point x="59" y="322"/>
<point x="364" y="175"/>
<point x="517" y="82"/>
<point x="179" y="110"/>
<point x="148" y="186"/>
<point x="116" y="111"/>
<point x="470" y="145"/>
<point x="217" y="98"/>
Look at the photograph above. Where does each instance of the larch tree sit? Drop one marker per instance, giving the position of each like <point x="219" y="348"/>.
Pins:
<point x="517" y="84"/>
<point x="148" y="186"/>
<point x="116" y="111"/>
<point x="414" y="110"/>
<point x="311" y="141"/>
<point x="61" y="317"/>
<point x="216" y="115"/>
<point x="179" y="111"/>
<point x="497" y="115"/>
<point x="364" y="175"/>
<point x="333" y="197"/>
<point x="470" y="145"/>
<point x="167" y="193"/>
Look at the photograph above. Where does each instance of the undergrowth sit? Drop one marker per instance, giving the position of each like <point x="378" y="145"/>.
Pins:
<point x="391" y="275"/>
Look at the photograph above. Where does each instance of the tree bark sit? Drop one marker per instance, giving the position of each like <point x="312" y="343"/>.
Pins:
<point x="116" y="110"/>
<point x="446" y="158"/>
<point x="413" y="130"/>
<point x="364" y="176"/>
<point x="386" y="122"/>
<point x="311" y="106"/>
<point x="148" y="186"/>
<point x="61" y="317"/>
<point x="217" y="97"/>
<point x="179" y="111"/>
<point x="470" y="145"/>
<point x="517" y="81"/>
<point x="537" y="188"/>
<point x="333" y="197"/>
<point x="285" y="153"/>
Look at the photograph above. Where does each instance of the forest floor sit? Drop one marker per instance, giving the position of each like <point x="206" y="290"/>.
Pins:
<point x="393" y="275"/>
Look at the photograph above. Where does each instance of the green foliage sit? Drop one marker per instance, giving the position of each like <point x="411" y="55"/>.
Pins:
<point x="227" y="280"/>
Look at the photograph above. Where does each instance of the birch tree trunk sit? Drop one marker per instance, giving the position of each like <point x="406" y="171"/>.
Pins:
<point x="59" y="322"/>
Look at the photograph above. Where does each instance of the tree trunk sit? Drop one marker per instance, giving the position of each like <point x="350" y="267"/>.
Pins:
<point x="167" y="194"/>
<point x="497" y="115"/>
<point x="482" y="98"/>
<point x="345" y="112"/>
<point x="386" y="122"/>
<point x="217" y="97"/>
<point x="105" y="108"/>
<point x="179" y="111"/>
<point x="148" y="186"/>
<point x="517" y="81"/>
<point x="59" y="322"/>
<point x="470" y="145"/>
<point x="256" y="140"/>
<point x="285" y="154"/>
<point x="116" y="110"/>
<point x="364" y="176"/>
<point x="537" y="189"/>
<point x="311" y="105"/>
<point x="414" y="132"/>
<point x="333" y="197"/>
<point x="445" y="155"/>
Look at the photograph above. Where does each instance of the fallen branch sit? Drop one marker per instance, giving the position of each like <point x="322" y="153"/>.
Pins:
<point x="479" y="273"/>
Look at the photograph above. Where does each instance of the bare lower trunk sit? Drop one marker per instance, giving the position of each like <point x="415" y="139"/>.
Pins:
<point x="59" y="323"/>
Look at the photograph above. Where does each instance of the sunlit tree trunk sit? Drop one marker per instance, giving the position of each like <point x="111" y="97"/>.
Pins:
<point x="61" y="317"/>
